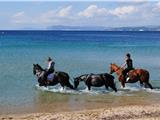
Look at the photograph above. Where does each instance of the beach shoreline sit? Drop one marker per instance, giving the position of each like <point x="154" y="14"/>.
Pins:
<point x="138" y="112"/>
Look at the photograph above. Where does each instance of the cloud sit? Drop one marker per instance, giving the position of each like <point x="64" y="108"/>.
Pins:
<point x="64" y="12"/>
<point x="19" y="14"/>
<point x="156" y="8"/>
<point x="51" y="16"/>
<point x="19" y="17"/>
<point x="55" y="16"/>
<point x="135" y="1"/>
<point x="92" y="11"/>
<point x="121" y="11"/>
<point x="127" y="14"/>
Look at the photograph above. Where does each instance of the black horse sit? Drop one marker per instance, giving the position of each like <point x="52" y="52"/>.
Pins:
<point x="59" y="77"/>
<point x="96" y="80"/>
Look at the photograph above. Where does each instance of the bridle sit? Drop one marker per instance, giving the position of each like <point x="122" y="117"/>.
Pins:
<point x="117" y="69"/>
<point x="39" y="73"/>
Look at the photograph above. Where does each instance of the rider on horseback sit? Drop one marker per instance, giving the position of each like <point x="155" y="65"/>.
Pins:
<point x="50" y="68"/>
<point x="129" y="67"/>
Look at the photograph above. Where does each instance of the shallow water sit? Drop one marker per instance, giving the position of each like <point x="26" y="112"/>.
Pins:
<point x="75" y="53"/>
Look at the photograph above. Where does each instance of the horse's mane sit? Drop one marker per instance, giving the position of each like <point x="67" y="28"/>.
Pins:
<point x="82" y="76"/>
<point x="39" y="67"/>
<point x="113" y="64"/>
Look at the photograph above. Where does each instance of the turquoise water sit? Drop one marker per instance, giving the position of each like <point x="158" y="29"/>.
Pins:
<point x="75" y="53"/>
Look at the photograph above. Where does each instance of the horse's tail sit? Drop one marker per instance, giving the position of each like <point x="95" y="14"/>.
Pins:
<point x="147" y="76"/>
<point x="147" y="80"/>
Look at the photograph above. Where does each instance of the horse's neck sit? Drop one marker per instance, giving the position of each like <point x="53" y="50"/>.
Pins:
<point x="119" y="71"/>
<point x="83" y="77"/>
<point x="40" y="67"/>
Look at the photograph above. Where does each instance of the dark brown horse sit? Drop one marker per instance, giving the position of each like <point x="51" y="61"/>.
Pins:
<point x="135" y="75"/>
<point x="59" y="77"/>
<point x="96" y="80"/>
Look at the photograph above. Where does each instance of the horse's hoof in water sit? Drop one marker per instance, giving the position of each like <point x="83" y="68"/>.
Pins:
<point x="122" y="87"/>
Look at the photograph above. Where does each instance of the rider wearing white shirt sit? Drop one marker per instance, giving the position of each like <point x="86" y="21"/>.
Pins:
<point x="50" y="65"/>
<point x="50" y="68"/>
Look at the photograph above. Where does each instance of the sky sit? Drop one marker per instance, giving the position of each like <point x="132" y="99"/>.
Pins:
<point x="40" y="14"/>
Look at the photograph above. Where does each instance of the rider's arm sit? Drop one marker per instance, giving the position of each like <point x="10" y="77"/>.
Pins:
<point x="123" y="65"/>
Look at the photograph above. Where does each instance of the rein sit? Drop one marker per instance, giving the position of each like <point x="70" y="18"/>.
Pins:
<point x="117" y="69"/>
<point x="39" y="74"/>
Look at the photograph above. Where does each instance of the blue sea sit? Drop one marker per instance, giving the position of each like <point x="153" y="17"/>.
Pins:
<point x="75" y="52"/>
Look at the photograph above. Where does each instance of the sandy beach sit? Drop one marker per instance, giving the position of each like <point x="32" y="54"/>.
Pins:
<point x="134" y="112"/>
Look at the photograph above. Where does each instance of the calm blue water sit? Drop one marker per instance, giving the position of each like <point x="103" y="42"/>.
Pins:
<point x="74" y="52"/>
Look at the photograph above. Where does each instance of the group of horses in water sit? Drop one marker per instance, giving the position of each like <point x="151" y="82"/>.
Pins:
<point x="96" y="80"/>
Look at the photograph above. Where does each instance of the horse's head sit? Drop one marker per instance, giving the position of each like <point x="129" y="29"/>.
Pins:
<point x="34" y="69"/>
<point x="76" y="82"/>
<point x="79" y="79"/>
<point x="37" y="70"/>
<point x="112" y="68"/>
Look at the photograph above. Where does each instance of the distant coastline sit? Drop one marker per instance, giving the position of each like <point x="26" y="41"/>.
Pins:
<point x="100" y="28"/>
<point x="88" y="28"/>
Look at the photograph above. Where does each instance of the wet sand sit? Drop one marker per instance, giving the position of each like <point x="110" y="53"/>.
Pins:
<point x="130" y="112"/>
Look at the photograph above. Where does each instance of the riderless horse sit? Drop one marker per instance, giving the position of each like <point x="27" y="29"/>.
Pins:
<point x="96" y="80"/>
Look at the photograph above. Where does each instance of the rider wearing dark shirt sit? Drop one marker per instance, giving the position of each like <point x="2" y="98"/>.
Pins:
<point x="129" y="65"/>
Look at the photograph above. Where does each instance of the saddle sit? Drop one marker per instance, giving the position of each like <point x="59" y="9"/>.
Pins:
<point x="51" y="77"/>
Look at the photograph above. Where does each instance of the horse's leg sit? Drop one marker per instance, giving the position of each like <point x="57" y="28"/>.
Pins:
<point x="113" y="87"/>
<point x="89" y="87"/>
<point x="149" y="85"/>
<point x="141" y="83"/>
<point x="70" y="86"/>
<point x="62" y="85"/>
<point x="106" y="85"/>
<point x="123" y="84"/>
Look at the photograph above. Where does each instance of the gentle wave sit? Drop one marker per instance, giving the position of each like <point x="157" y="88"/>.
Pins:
<point x="127" y="91"/>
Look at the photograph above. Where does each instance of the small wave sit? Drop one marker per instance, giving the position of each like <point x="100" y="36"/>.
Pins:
<point x="131" y="88"/>
<point x="59" y="89"/>
<point x="155" y="90"/>
<point x="94" y="91"/>
<point x="137" y="87"/>
<point x="127" y="91"/>
<point x="56" y="89"/>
